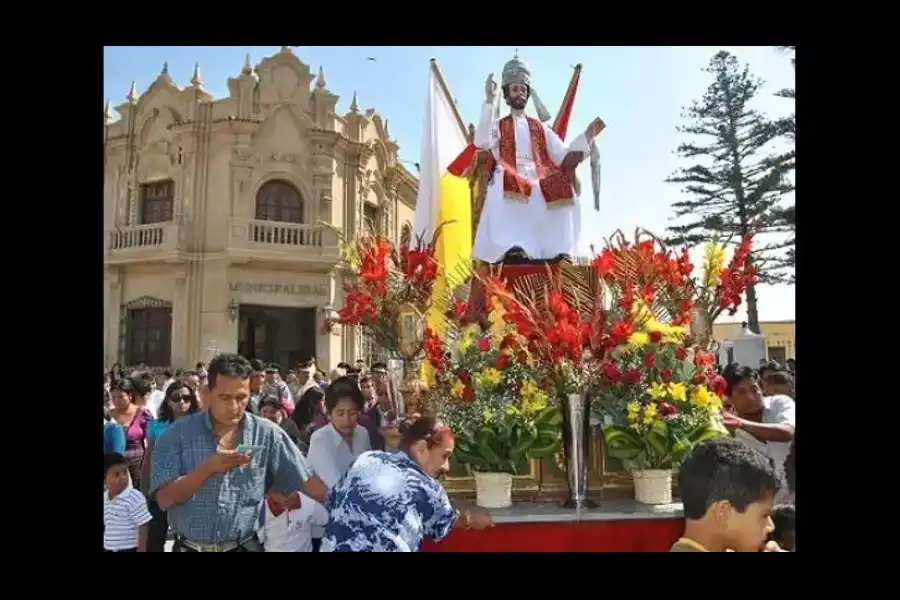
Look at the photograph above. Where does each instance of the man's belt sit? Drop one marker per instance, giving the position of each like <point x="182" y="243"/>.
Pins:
<point x="223" y="547"/>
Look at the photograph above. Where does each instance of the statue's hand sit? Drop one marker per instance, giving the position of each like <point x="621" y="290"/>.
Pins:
<point x="490" y="88"/>
<point x="594" y="129"/>
<point x="571" y="160"/>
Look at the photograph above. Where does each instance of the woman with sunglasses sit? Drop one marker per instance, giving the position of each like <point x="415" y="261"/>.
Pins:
<point x="180" y="400"/>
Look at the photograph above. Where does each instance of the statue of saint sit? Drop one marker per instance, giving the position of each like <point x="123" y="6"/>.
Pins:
<point x="531" y="209"/>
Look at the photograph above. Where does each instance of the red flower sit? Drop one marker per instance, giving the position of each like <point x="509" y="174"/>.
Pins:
<point x="704" y="359"/>
<point x="699" y="379"/>
<point x="718" y="384"/>
<point x="665" y="375"/>
<point x="484" y="344"/>
<point x="680" y="353"/>
<point x="468" y="394"/>
<point x="655" y="336"/>
<point x="666" y="409"/>
<point x="464" y="377"/>
<point x="459" y="308"/>
<point x="632" y="375"/>
<point x="620" y="332"/>
<point x="503" y="361"/>
<point x="522" y="357"/>
<point x="650" y="360"/>
<point x="610" y="372"/>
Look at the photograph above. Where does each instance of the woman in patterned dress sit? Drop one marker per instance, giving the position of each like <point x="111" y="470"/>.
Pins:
<point x="390" y="502"/>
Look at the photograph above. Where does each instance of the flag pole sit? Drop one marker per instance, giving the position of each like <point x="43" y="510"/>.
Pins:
<point x="446" y="89"/>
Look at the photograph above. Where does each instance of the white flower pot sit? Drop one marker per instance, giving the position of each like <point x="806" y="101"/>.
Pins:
<point x="493" y="490"/>
<point x="653" y="486"/>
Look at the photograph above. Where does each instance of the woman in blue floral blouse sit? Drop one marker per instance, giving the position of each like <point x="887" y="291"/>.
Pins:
<point x="389" y="502"/>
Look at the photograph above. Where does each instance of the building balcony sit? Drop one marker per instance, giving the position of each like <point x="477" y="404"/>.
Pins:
<point x="273" y="240"/>
<point x="142" y="242"/>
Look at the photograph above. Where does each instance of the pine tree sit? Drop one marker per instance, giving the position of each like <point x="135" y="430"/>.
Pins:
<point x="736" y="181"/>
<point x="785" y="217"/>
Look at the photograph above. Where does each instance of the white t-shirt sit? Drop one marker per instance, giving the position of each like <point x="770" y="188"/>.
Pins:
<point x="154" y="401"/>
<point x="330" y="456"/>
<point x="777" y="410"/>
<point x="291" y="531"/>
<point x="121" y="518"/>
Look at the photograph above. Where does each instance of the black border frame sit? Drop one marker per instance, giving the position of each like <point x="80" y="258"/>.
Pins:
<point x="833" y="291"/>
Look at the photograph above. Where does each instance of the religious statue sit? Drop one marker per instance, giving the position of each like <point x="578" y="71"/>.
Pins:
<point x="530" y="209"/>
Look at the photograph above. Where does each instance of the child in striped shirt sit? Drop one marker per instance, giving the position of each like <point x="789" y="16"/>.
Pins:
<point x="125" y="513"/>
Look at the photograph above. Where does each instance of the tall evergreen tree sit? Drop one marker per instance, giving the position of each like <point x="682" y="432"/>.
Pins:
<point x="785" y="217"/>
<point x="736" y="180"/>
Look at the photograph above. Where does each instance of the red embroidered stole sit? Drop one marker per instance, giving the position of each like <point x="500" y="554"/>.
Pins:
<point x="555" y="184"/>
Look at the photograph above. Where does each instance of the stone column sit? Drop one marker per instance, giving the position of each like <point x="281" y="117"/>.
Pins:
<point x="180" y="317"/>
<point x="112" y="314"/>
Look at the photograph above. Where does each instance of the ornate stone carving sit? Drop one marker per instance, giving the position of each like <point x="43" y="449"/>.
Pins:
<point x="243" y="154"/>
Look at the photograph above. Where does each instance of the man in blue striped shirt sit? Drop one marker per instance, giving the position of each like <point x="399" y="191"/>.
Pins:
<point x="211" y="470"/>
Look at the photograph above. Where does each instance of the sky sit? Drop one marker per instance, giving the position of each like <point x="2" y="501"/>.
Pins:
<point x="639" y="92"/>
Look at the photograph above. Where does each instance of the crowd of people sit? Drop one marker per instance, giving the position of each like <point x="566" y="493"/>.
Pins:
<point x="233" y="457"/>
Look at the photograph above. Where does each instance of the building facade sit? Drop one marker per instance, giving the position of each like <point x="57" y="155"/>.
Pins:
<point x="780" y="337"/>
<point x="214" y="213"/>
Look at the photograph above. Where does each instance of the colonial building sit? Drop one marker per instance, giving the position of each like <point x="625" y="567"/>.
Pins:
<point x="213" y="212"/>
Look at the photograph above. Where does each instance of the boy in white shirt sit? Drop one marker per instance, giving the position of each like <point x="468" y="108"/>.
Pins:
<point x="125" y="513"/>
<point x="289" y="522"/>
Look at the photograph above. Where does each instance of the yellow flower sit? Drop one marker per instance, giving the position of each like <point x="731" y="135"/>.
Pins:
<point x="713" y="263"/>
<point x="487" y="414"/>
<point x="536" y="403"/>
<point x="657" y="391"/>
<point x="700" y="397"/>
<point x="638" y="339"/>
<point x="634" y="409"/>
<point x="467" y="338"/>
<point x="677" y="391"/>
<point x="489" y="378"/>
<point x="670" y="333"/>
<point x="650" y="413"/>
<point x="457" y="389"/>
<point x="511" y="410"/>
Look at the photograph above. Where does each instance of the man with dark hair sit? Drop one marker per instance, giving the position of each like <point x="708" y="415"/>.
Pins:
<point x="765" y="423"/>
<point x="257" y="376"/>
<point x="372" y="417"/>
<point x="727" y="489"/>
<point x="275" y="385"/>
<point x="778" y="383"/>
<point x="202" y="472"/>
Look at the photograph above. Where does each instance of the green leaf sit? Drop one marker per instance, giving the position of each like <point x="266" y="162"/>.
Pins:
<point x="473" y="460"/>
<point x="550" y="416"/>
<point x="658" y="438"/>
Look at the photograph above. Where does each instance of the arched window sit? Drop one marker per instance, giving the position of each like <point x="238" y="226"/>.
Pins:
<point x="279" y="201"/>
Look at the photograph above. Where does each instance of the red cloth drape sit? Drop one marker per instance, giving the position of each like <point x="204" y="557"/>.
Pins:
<point x="649" y="535"/>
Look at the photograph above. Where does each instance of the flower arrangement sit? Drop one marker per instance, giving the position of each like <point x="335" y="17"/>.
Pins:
<point x="659" y="398"/>
<point x="619" y="328"/>
<point x="384" y="286"/>
<point x="721" y="285"/>
<point x="488" y="390"/>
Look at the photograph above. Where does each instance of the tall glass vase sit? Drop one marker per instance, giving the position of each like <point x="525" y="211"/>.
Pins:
<point x="577" y="448"/>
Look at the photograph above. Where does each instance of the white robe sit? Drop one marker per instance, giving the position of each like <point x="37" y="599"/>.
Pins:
<point x="541" y="230"/>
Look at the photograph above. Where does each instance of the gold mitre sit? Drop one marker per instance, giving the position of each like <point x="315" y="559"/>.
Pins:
<point x="516" y="71"/>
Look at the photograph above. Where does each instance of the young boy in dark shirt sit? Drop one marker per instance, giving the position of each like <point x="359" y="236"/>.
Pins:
<point x="727" y="489"/>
